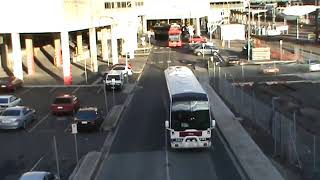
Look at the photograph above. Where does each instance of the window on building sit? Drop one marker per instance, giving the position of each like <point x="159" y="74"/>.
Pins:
<point x="118" y="4"/>
<point x="112" y="5"/>
<point x="107" y="5"/>
<point x="123" y="4"/>
<point x="129" y="4"/>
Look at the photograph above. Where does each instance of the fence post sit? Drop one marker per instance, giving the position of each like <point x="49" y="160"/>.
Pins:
<point x="314" y="153"/>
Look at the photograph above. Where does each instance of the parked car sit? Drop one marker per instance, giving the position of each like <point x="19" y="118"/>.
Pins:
<point x="114" y="80"/>
<point x="65" y="104"/>
<point x="9" y="101"/>
<point x="198" y="39"/>
<point x="88" y="118"/>
<point x="17" y="117"/>
<point x="269" y="69"/>
<point x="10" y="83"/>
<point x="314" y="65"/>
<point x="125" y="70"/>
<point x="39" y="175"/>
<point x="205" y="49"/>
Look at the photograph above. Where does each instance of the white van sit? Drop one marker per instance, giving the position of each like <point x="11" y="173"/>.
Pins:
<point x="114" y="80"/>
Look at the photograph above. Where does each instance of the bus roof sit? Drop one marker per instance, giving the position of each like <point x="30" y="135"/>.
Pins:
<point x="183" y="85"/>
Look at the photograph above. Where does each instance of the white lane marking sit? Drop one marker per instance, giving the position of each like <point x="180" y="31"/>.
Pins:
<point x="35" y="126"/>
<point x="143" y="68"/>
<point x="74" y="91"/>
<point x="25" y="91"/>
<point x="53" y="89"/>
<point x="167" y="155"/>
<point x="97" y="81"/>
<point x="36" y="163"/>
<point x="98" y="91"/>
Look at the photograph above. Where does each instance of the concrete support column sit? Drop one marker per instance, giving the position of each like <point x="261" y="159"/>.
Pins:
<point x="1" y="51"/>
<point x="104" y="43"/>
<point x="144" y="24"/>
<point x="17" y="55"/>
<point x="114" y="47"/>
<point x="93" y="49"/>
<point x="67" y="76"/>
<point x="57" y="51"/>
<point x="30" y="55"/>
<point x="198" y="32"/>
<point x="79" y="46"/>
<point x="133" y="40"/>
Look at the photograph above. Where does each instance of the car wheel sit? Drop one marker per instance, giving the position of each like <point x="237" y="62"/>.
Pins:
<point x="198" y="53"/>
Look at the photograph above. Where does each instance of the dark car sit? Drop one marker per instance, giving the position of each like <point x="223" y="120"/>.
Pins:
<point x="10" y="83"/>
<point x="88" y="118"/>
<point x="65" y="104"/>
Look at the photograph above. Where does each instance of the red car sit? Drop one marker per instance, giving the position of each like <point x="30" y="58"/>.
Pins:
<point x="10" y="83"/>
<point x="65" y="104"/>
<point x="198" y="39"/>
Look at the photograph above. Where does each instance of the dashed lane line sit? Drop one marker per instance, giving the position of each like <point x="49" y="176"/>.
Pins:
<point x="35" y="165"/>
<point x="74" y="91"/>
<point x="97" y="81"/>
<point x="39" y="122"/>
<point x="25" y="91"/>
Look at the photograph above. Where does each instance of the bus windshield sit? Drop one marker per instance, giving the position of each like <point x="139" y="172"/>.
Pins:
<point x="190" y="115"/>
<point x="174" y="37"/>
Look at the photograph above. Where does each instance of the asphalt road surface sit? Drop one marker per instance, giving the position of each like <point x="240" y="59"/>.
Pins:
<point x="139" y="149"/>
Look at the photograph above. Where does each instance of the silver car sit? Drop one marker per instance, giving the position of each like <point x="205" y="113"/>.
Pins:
<point x="205" y="49"/>
<point x="16" y="117"/>
<point x="38" y="175"/>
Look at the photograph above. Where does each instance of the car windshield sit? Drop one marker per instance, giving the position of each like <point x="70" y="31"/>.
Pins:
<point x="110" y="77"/>
<point x="190" y="115"/>
<point x="119" y="68"/>
<point x="4" y="100"/>
<point x="11" y="113"/>
<point x="314" y="62"/>
<point x="86" y="115"/>
<point x="62" y="101"/>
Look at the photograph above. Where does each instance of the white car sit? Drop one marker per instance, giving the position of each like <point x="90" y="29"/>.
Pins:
<point x="9" y="101"/>
<point x="125" y="70"/>
<point x="314" y="65"/>
<point x="114" y="80"/>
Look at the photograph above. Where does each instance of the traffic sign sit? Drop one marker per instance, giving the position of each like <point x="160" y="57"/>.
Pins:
<point x="74" y="129"/>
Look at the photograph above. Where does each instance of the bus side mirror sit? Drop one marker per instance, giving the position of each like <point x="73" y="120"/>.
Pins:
<point x="167" y="124"/>
<point x="213" y="122"/>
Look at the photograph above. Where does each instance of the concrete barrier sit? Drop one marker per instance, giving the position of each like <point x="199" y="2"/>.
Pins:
<point x="112" y="118"/>
<point x="87" y="166"/>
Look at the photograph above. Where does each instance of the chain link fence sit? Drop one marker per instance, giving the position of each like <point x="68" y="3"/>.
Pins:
<point x="292" y="143"/>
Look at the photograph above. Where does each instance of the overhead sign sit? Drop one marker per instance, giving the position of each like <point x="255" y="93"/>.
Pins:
<point x="261" y="54"/>
<point x="232" y="32"/>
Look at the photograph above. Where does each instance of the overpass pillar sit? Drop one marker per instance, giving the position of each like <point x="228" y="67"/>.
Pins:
<point x="144" y="24"/>
<point x="93" y="49"/>
<point x="198" y="27"/>
<point x="79" y="46"/>
<point x="114" y="46"/>
<point x="30" y="54"/>
<point x="17" y="55"/>
<point x="133" y="39"/>
<point x="104" y="43"/>
<point x="67" y="76"/>
<point x="57" y="51"/>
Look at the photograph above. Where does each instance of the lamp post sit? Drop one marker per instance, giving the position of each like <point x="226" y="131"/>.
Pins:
<point x="249" y="29"/>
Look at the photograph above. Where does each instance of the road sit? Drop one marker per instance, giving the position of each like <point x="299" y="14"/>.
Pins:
<point x="139" y="150"/>
<point x="33" y="148"/>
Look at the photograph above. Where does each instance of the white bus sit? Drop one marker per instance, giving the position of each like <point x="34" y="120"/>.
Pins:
<point x="189" y="116"/>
